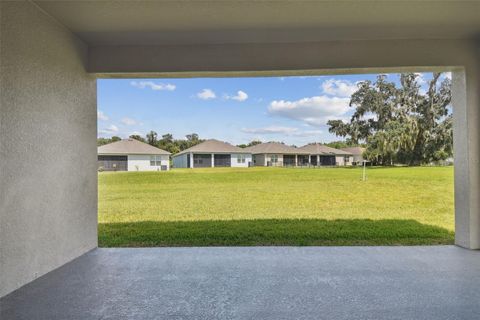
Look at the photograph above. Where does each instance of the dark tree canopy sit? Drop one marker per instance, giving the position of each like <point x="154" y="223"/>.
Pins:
<point x="103" y="141"/>
<point x="250" y="144"/>
<point x="137" y="137"/>
<point x="400" y="124"/>
<point x="152" y="138"/>
<point x="167" y="142"/>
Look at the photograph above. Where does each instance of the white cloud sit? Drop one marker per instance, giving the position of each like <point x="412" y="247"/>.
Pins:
<point x="270" y="130"/>
<point x="111" y="129"/>
<point x="241" y="96"/>
<point x="136" y="133"/>
<point x="206" y="94"/>
<point x="154" y="86"/>
<point x="315" y="111"/>
<point x="129" y="121"/>
<point x="339" y="88"/>
<point x="102" y="116"/>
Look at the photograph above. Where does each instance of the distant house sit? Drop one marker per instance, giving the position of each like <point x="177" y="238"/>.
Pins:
<point x="132" y="155"/>
<point x="212" y="153"/>
<point x="321" y="155"/>
<point x="357" y="153"/>
<point x="276" y="154"/>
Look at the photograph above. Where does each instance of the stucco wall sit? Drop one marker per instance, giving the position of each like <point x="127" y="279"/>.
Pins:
<point x="466" y="132"/>
<point x="234" y="162"/>
<point x="340" y="160"/>
<point x="48" y="199"/>
<point x="141" y="162"/>
<point x="268" y="159"/>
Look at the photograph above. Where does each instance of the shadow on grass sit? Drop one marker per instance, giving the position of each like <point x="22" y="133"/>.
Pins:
<point x="272" y="232"/>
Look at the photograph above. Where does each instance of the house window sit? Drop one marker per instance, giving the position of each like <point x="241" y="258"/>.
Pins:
<point x="240" y="158"/>
<point x="155" y="161"/>
<point x="346" y="158"/>
<point x="274" y="158"/>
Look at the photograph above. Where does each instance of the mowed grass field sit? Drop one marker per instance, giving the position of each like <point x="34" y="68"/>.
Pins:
<point x="276" y="206"/>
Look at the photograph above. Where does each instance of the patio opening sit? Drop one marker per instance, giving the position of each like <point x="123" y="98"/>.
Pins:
<point x="359" y="159"/>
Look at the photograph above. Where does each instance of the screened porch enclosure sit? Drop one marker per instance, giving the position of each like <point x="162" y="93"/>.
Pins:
<point x="113" y="163"/>
<point x="222" y="160"/>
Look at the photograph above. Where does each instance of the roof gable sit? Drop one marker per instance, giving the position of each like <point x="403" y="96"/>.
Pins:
<point x="318" y="148"/>
<point x="130" y="146"/>
<point x="214" y="146"/>
<point x="354" y="150"/>
<point x="272" y="147"/>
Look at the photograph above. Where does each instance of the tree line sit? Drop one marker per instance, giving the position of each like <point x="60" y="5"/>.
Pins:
<point x="400" y="124"/>
<point x="168" y="143"/>
<point x="165" y="142"/>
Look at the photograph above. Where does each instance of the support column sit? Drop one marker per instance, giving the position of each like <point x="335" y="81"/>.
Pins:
<point x="213" y="160"/>
<point x="296" y="160"/>
<point x="466" y="137"/>
<point x="318" y="160"/>
<point x="191" y="159"/>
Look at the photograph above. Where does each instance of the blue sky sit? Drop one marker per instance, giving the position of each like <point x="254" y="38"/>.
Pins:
<point x="238" y="110"/>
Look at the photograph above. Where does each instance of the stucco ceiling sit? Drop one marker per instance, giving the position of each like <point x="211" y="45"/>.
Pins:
<point x="213" y="22"/>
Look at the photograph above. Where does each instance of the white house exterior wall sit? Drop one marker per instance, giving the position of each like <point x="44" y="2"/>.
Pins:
<point x="141" y="162"/>
<point x="279" y="160"/>
<point x="234" y="163"/>
<point x="340" y="160"/>
<point x="357" y="158"/>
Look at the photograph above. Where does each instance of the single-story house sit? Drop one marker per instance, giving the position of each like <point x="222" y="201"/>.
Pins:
<point x="132" y="155"/>
<point x="357" y="153"/>
<point x="321" y="155"/>
<point x="277" y="154"/>
<point x="212" y="153"/>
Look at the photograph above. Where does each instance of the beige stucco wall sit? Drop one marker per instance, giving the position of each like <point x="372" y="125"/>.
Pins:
<point x="48" y="198"/>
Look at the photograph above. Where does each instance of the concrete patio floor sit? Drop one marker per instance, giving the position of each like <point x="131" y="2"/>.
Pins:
<point x="437" y="282"/>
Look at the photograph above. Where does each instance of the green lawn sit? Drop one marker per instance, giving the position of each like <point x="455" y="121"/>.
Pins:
<point x="276" y="206"/>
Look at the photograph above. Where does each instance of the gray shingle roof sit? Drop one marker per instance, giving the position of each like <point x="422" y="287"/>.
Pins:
<point x="214" y="146"/>
<point x="357" y="151"/>
<point x="129" y="146"/>
<point x="318" y="148"/>
<point x="272" y="148"/>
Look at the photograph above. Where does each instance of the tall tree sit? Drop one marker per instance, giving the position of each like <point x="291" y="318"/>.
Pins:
<point x="152" y="138"/>
<point x="250" y="144"/>
<point x="192" y="137"/>
<point x="401" y="124"/>
<point x="137" y="137"/>
<point x="167" y="138"/>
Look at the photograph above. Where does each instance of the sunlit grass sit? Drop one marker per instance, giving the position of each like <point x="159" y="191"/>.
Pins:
<point x="216" y="206"/>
